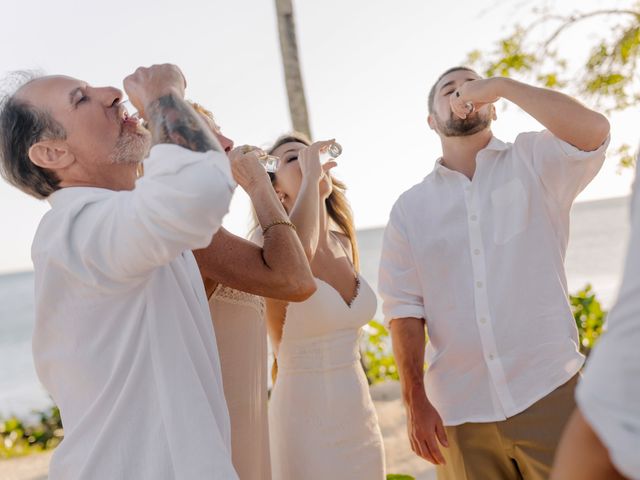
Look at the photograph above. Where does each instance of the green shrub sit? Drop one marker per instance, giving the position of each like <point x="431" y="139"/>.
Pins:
<point x="18" y="438"/>
<point x="589" y="317"/>
<point x="377" y="356"/>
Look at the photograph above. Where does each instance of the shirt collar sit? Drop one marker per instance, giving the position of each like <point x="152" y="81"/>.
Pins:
<point x="495" y="144"/>
<point x="69" y="194"/>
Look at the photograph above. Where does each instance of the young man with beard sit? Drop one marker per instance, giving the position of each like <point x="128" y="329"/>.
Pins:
<point x="476" y="252"/>
<point x="123" y="339"/>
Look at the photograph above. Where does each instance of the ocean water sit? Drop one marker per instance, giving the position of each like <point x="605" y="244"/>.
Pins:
<point x="596" y="253"/>
<point x="20" y="391"/>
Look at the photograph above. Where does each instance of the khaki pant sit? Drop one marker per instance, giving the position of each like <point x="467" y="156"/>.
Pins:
<point x="521" y="447"/>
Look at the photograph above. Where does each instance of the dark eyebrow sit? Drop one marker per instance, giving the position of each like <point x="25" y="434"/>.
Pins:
<point x="451" y="82"/>
<point x="73" y="94"/>
<point x="292" y="149"/>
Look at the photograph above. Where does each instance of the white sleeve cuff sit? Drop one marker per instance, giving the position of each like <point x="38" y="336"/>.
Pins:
<point x="574" y="152"/>
<point x="221" y="161"/>
<point x="403" y="311"/>
<point x="168" y="158"/>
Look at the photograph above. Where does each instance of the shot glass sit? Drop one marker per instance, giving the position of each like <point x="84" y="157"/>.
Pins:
<point x="331" y="153"/>
<point x="270" y="163"/>
<point x="131" y="111"/>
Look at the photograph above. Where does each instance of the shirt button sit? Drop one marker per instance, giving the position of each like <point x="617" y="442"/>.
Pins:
<point x="483" y="320"/>
<point x="479" y="284"/>
<point x="474" y="218"/>
<point x="491" y="357"/>
<point x="476" y="252"/>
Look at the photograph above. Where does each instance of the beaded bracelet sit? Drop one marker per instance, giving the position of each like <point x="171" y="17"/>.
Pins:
<point x="278" y="222"/>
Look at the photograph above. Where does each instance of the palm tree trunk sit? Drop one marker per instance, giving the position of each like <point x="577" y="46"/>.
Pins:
<point x="291" y="64"/>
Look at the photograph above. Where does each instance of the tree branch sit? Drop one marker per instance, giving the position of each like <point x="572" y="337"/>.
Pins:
<point x="573" y="19"/>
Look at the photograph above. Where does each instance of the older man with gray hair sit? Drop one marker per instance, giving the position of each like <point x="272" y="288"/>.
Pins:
<point x="123" y="340"/>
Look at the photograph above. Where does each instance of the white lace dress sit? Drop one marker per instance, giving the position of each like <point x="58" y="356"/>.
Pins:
<point x="321" y="418"/>
<point x="238" y="320"/>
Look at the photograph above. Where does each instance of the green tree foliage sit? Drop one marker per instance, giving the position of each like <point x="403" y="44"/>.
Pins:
<point x="589" y="317"/>
<point x="609" y="75"/>
<point x="377" y="356"/>
<point x="18" y="437"/>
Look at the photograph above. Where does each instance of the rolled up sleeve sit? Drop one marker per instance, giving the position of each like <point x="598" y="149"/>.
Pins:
<point x="398" y="280"/>
<point x="563" y="169"/>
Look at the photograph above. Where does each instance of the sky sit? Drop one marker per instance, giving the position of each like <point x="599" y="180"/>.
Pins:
<point x="367" y="67"/>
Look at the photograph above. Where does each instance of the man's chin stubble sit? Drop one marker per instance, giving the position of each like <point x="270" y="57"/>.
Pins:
<point x="131" y="149"/>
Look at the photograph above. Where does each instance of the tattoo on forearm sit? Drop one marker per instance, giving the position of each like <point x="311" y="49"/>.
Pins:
<point x="172" y="120"/>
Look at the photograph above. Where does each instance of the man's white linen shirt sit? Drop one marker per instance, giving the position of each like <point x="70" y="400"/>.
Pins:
<point x="482" y="261"/>
<point x="123" y="339"/>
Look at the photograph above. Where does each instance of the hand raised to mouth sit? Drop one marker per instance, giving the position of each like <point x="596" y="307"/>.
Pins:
<point x="471" y="96"/>
<point x="157" y="92"/>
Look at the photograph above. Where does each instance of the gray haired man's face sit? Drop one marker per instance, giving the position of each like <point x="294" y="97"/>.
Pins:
<point x="97" y="130"/>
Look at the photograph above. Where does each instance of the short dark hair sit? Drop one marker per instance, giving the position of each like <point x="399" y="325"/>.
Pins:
<point x="21" y="126"/>
<point x="432" y="92"/>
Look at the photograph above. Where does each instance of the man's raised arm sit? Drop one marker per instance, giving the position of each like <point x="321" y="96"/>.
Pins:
<point x="561" y="114"/>
<point x="158" y="94"/>
<point x="183" y="196"/>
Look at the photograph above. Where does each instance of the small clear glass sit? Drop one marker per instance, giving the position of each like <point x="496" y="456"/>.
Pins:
<point x="270" y="163"/>
<point x="331" y="153"/>
<point x="131" y="111"/>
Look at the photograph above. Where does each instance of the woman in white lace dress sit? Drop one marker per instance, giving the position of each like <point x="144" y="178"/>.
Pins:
<point x="237" y="273"/>
<point x="321" y="418"/>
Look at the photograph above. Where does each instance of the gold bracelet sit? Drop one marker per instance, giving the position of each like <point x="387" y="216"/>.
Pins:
<point x="278" y="222"/>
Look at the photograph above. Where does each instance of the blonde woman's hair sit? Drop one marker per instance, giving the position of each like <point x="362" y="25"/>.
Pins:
<point x="202" y="110"/>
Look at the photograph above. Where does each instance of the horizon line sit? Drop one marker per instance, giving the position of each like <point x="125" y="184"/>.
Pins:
<point x="361" y="229"/>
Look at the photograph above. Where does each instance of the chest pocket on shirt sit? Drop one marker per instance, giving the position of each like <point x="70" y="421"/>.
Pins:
<point x="510" y="211"/>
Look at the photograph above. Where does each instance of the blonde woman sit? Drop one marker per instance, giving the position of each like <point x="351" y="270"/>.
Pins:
<point x="237" y="274"/>
<point x="321" y="418"/>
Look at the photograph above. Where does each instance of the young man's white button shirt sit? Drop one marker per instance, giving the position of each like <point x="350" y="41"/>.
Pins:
<point x="123" y="338"/>
<point x="483" y="262"/>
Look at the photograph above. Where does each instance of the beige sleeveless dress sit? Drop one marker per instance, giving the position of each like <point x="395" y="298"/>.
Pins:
<point x="238" y="320"/>
<point x="322" y="421"/>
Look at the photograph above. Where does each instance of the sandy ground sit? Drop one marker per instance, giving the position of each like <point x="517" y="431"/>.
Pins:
<point x="33" y="467"/>
<point x="400" y="458"/>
